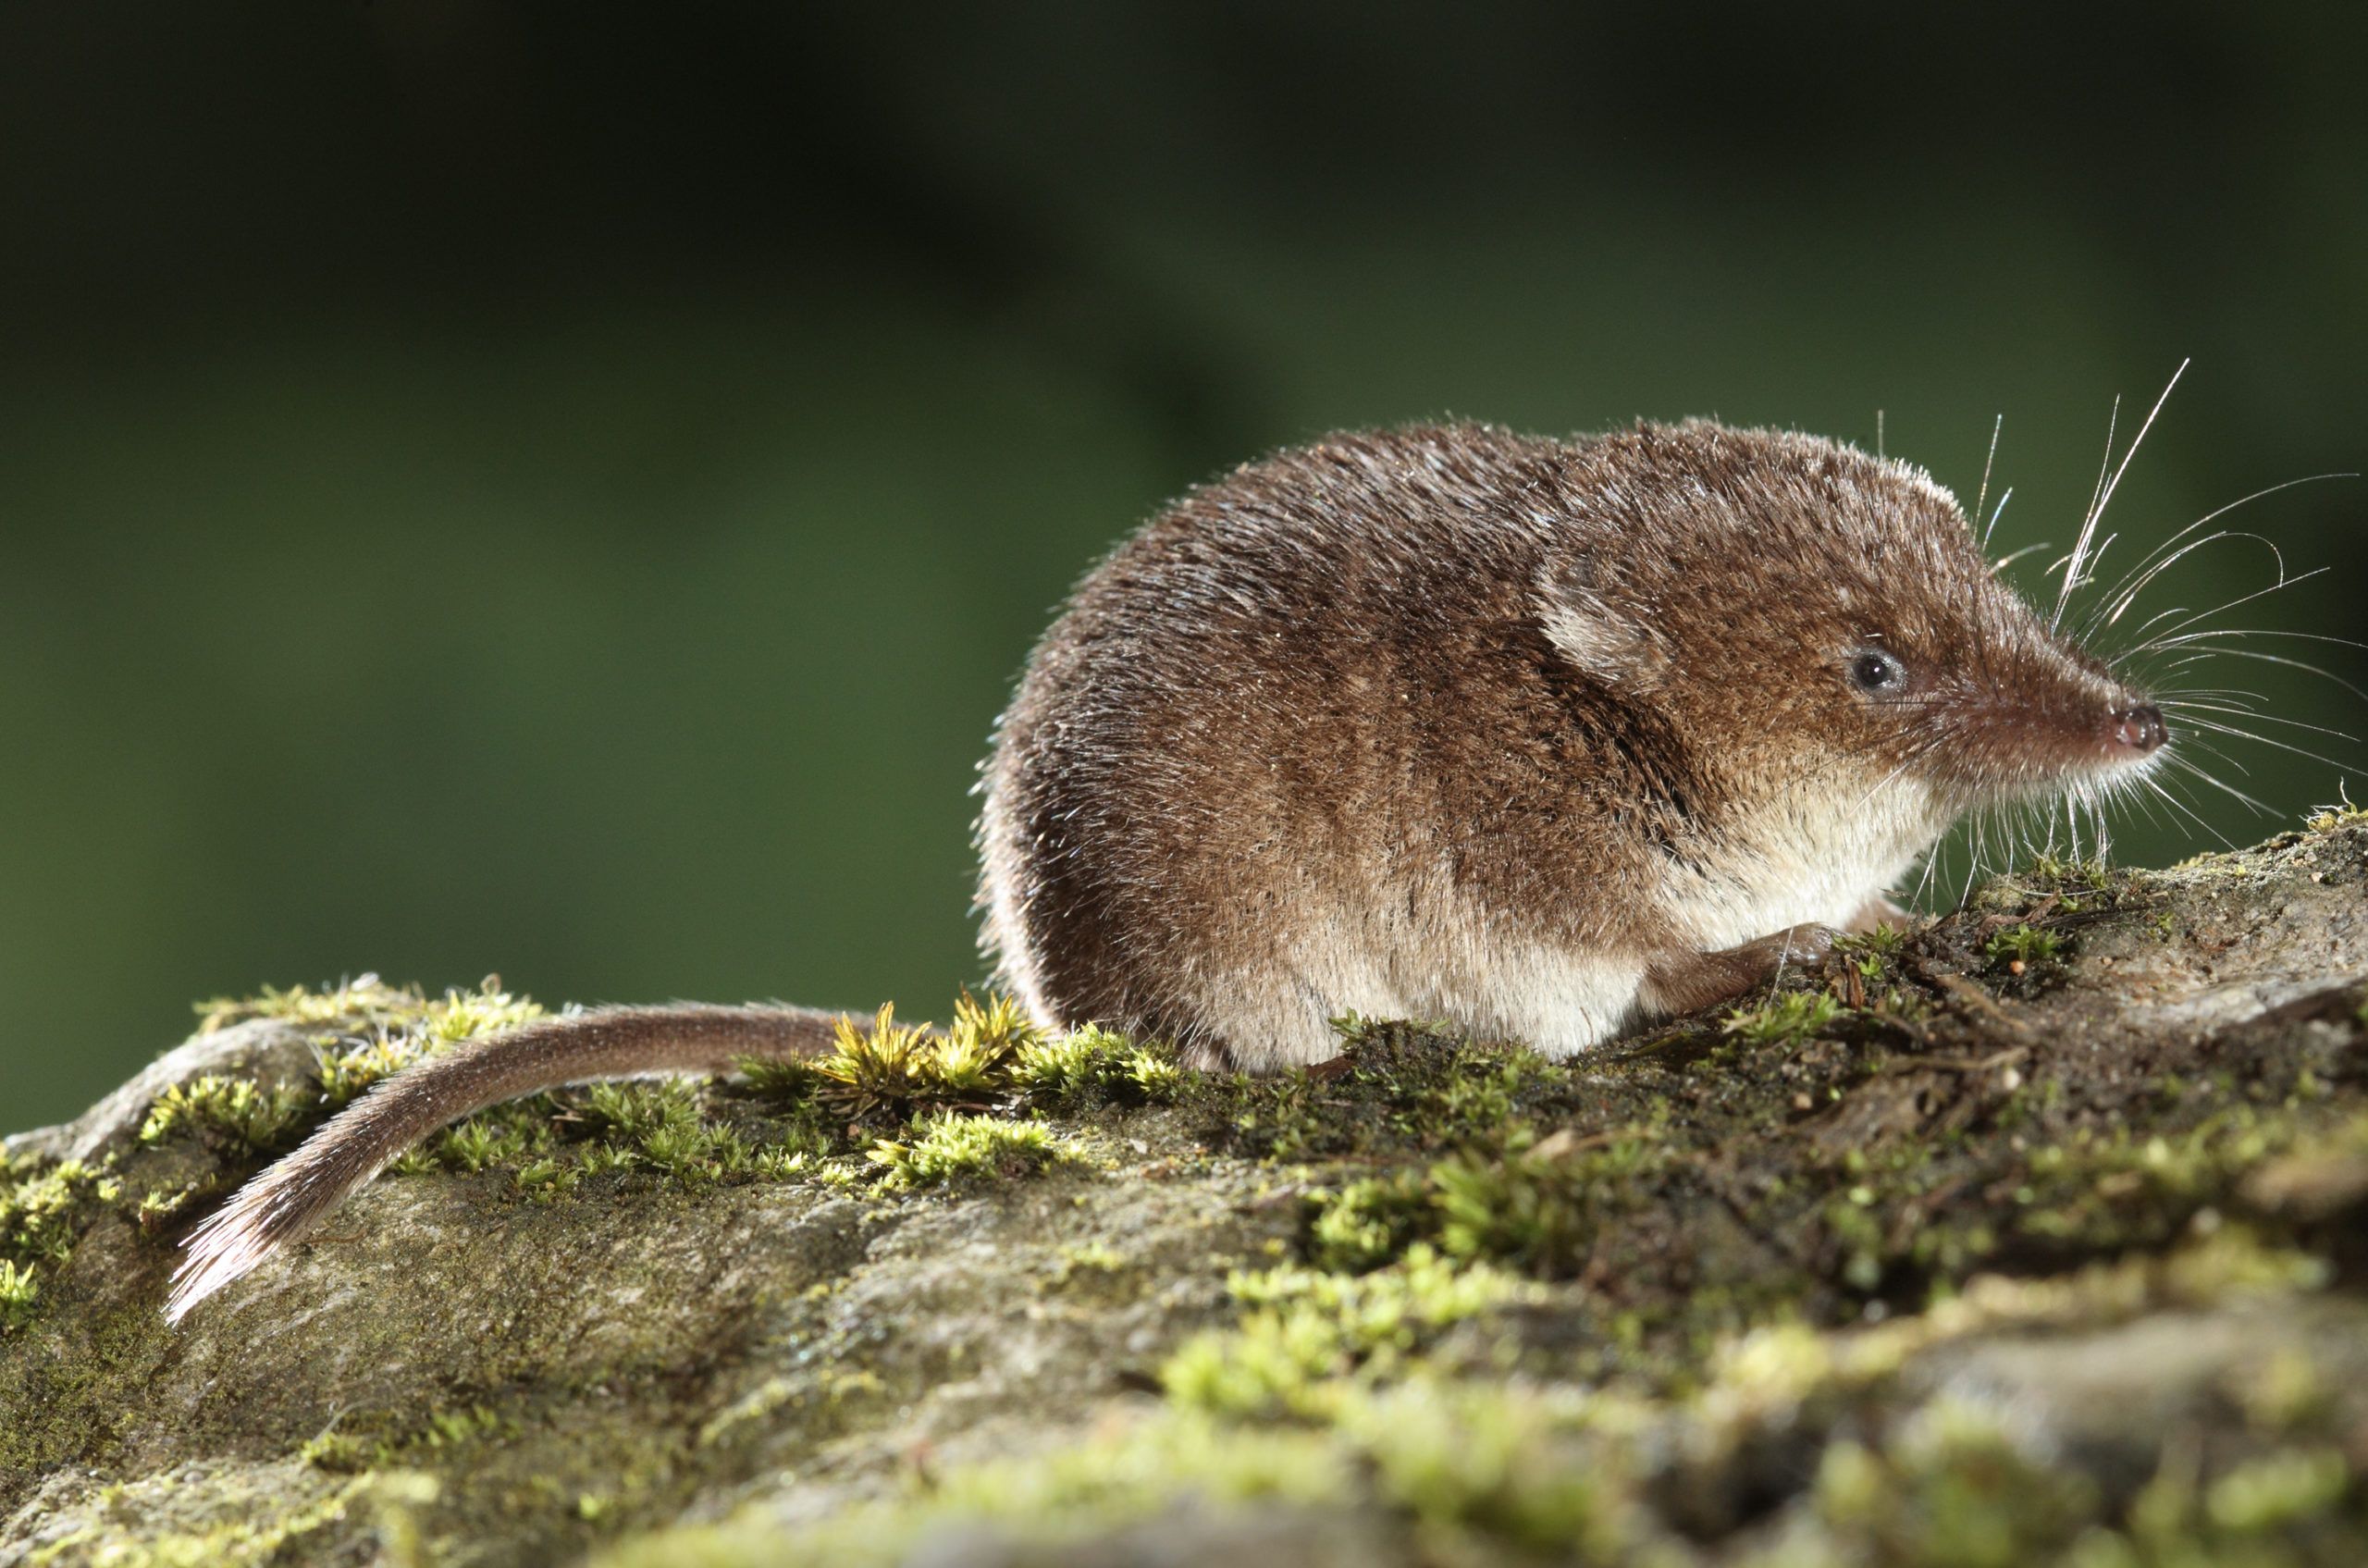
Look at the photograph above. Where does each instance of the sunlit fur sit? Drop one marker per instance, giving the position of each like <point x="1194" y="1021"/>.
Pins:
<point x="1451" y="721"/>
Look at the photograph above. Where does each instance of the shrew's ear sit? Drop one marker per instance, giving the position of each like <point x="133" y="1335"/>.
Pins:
<point x="1600" y="629"/>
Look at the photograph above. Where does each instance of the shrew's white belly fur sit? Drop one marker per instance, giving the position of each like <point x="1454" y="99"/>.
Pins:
<point x="1820" y="859"/>
<point x="1460" y="971"/>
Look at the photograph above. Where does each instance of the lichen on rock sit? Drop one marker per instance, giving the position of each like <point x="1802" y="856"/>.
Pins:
<point x="2034" y="1239"/>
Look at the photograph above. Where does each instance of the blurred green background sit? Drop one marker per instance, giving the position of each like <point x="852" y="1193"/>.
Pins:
<point x="563" y="489"/>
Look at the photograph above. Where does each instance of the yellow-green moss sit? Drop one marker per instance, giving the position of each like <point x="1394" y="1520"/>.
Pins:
<point x="1094" y="1066"/>
<point x="1311" y="1334"/>
<point x="20" y="1293"/>
<point x="2023" y="945"/>
<point x="1787" y="1018"/>
<point x="950" y="1147"/>
<point x="45" y="1206"/>
<point x="2342" y="814"/>
<point x="247" y="1117"/>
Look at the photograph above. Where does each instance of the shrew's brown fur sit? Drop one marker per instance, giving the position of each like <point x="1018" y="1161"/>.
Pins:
<point x="1465" y="724"/>
<point x="1534" y="737"/>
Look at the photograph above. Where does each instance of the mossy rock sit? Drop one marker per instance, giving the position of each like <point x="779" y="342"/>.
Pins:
<point x="2041" y="1238"/>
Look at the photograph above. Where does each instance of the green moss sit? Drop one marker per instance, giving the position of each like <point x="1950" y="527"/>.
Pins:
<point x="480" y="1143"/>
<point x="1479" y="1469"/>
<point x="1311" y="1332"/>
<point x="699" y="1153"/>
<point x="2342" y="814"/>
<point x="260" y="1537"/>
<point x="1092" y="1066"/>
<point x="636" y="1111"/>
<point x="1953" y="1491"/>
<point x="950" y="1147"/>
<point x="1473" y="1472"/>
<point x="1136" y="1473"/>
<point x="19" y="1294"/>
<point x="2052" y="872"/>
<point x="244" y="1117"/>
<point x="2117" y="1188"/>
<point x="895" y="1070"/>
<point x="377" y="1442"/>
<point x="369" y="1028"/>
<point x="1366" y="1223"/>
<point x="1873" y="955"/>
<point x="366" y="997"/>
<point x="1785" y="1018"/>
<point x="1090" y="1257"/>
<point x="874" y="1071"/>
<point x="43" y="1207"/>
<point x="1537" y="1207"/>
<point x="2023" y="945"/>
<point x="2277" y="1491"/>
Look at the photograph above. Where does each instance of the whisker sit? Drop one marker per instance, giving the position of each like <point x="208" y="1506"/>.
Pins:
<point x="2183" y="809"/>
<point x="2196" y="743"/>
<point x="2218" y="728"/>
<point x="2185" y="638"/>
<point x="2120" y="605"/>
<point x="1981" y="497"/>
<point x="2187" y="764"/>
<point x="2009" y="559"/>
<point x="2254" y="653"/>
<point x="2124" y="587"/>
<point x="2184" y="705"/>
<point x="2282" y="583"/>
<point x="2104" y="498"/>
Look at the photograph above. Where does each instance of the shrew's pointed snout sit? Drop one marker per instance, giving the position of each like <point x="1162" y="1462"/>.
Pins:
<point x="2137" y="729"/>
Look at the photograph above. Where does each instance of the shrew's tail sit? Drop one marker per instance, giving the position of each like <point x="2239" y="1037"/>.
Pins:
<point x="354" y="1145"/>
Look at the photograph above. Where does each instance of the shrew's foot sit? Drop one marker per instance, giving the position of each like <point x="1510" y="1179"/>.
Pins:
<point x="1687" y="982"/>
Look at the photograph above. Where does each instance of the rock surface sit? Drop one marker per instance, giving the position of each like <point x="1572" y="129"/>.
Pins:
<point x="2036" y="1239"/>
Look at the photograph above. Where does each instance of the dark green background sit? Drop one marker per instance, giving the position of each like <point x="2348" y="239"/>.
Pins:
<point x="562" y="489"/>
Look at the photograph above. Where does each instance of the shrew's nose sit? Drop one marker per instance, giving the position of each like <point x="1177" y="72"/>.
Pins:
<point x="2139" y="729"/>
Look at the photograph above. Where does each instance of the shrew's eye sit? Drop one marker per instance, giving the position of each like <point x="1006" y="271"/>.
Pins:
<point x="1872" y="670"/>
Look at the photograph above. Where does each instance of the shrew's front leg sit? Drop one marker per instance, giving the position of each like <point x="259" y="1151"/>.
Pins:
<point x="1687" y="982"/>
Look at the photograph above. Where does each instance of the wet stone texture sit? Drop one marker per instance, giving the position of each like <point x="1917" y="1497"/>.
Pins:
<point x="2040" y="1236"/>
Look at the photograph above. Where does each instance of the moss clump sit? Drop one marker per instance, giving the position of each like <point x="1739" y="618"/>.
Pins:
<point x="1369" y="1221"/>
<point x="896" y="1071"/>
<point x="1138" y="1472"/>
<point x="633" y="1112"/>
<point x="2058" y="874"/>
<point x="878" y="1070"/>
<point x="245" y="1119"/>
<point x="1478" y="1470"/>
<point x="404" y="1027"/>
<point x="950" y="1147"/>
<point x="1096" y="1067"/>
<point x="1397" y="1088"/>
<point x="2342" y="814"/>
<point x="481" y="1142"/>
<point x="2022" y="945"/>
<point x="1785" y="1018"/>
<point x="43" y="1207"/>
<point x="368" y="996"/>
<point x="368" y="1443"/>
<point x="1311" y="1332"/>
<point x="1953" y="1490"/>
<point x="1472" y="1472"/>
<point x="1873" y="955"/>
<point x="1956" y="1490"/>
<point x="19" y="1294"/>
<point x="1539" y="1206"/>
<point x="368" y="1029"/>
